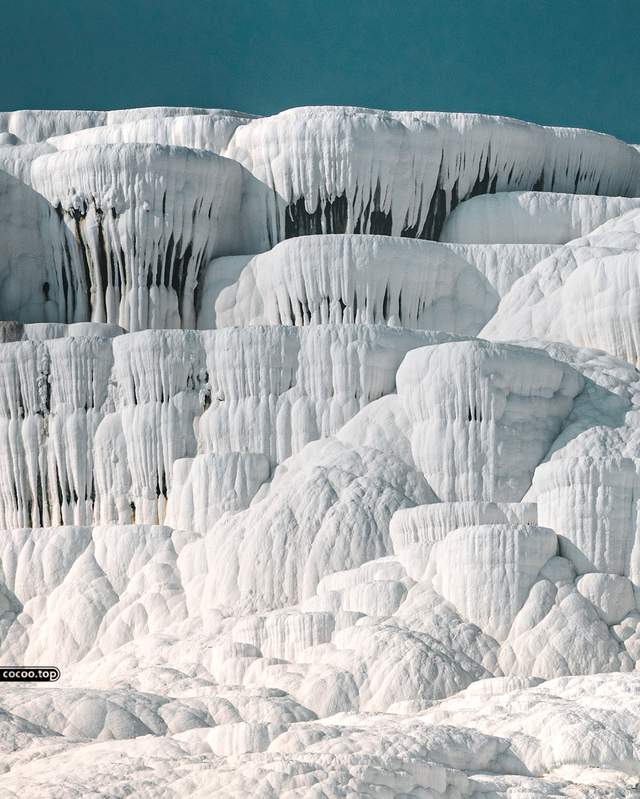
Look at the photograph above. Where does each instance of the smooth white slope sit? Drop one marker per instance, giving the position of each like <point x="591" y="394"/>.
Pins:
<point x="586" y="294"/>
<point x="531" y="217"/>
<point x="41" y="276"/>
<point x="210" y="131"/>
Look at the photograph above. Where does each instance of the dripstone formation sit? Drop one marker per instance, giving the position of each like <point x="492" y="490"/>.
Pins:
<point x="319" y="456"/>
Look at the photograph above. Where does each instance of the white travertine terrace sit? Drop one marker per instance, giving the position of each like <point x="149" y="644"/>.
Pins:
<point x="586" y="293"/>
<point x="500" y="563"/>
<point x="208" y="485"/>
<point x="302" y="501"/>
<point x="497" y="407"/>
<point x="147" y="219"/>
<point x="36" y="246"/>
<point x="354" y="170"/>
<point x="414" y="531"/>
<point x="154" y="397"/>
<point x="531" y="217"/>
<point x="32" y="126"/>
<point x="502" y="264"/>
<point x="210" y="131"/>
<point x="592" y="503"/>
<point x="16" y="159"/>
<point x="363" y="279"/>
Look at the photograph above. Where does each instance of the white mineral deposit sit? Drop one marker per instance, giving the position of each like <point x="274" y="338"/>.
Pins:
<point x="319" y="456"/>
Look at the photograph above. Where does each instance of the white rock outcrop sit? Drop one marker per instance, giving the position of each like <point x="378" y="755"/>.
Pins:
<point x="354" y="170"/>
<point x="287" y="526"/>
<point x="361" y="279"/>
<point x="487" y="571"/>
<point x="585" y="294"/>
<point x="483" y="416"/>
<point x="591" y="504"/>
<point x="531" y="217"/>
<point x="414" y="531"/>
<point x="147" y="219"/>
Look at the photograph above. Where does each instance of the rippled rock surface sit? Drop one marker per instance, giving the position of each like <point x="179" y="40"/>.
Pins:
<point x="319" y="455"/>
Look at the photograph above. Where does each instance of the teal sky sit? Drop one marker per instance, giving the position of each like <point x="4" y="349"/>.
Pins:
<point x="566" y="62"/>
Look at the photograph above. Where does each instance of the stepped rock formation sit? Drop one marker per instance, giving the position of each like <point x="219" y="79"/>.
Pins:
<point x="363" y="279"/>
<point x="319" y="456"/>
<point x="145" y="218"/>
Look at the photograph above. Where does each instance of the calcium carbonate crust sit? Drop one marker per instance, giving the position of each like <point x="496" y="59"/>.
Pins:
<point x="319" y="456"/>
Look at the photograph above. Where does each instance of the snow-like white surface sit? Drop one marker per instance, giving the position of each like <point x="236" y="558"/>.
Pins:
<point x="591" y="501"/>
<point x="40" y="275"/>
<point x="483" y="416"/>
<point x="147" y="218"/>
<point x="531" y="217"/>
<point x="286" y="525"/>
<point x="414" y="531"/>
<point x="503" y="264"/>
<point x="586" y="293"/>
<point x="343" y="170"/>
<point x="210" y="131"/>
<point x="96" y="422"/>
<point x="36" y="126"/>
<point x="364" y="279"/>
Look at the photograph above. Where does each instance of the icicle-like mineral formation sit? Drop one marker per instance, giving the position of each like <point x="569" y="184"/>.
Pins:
<point x="147" y="219"/>
<point x="361" y="279"/>
<point x="285" y="522"/>
<point x="353" y="170"/>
